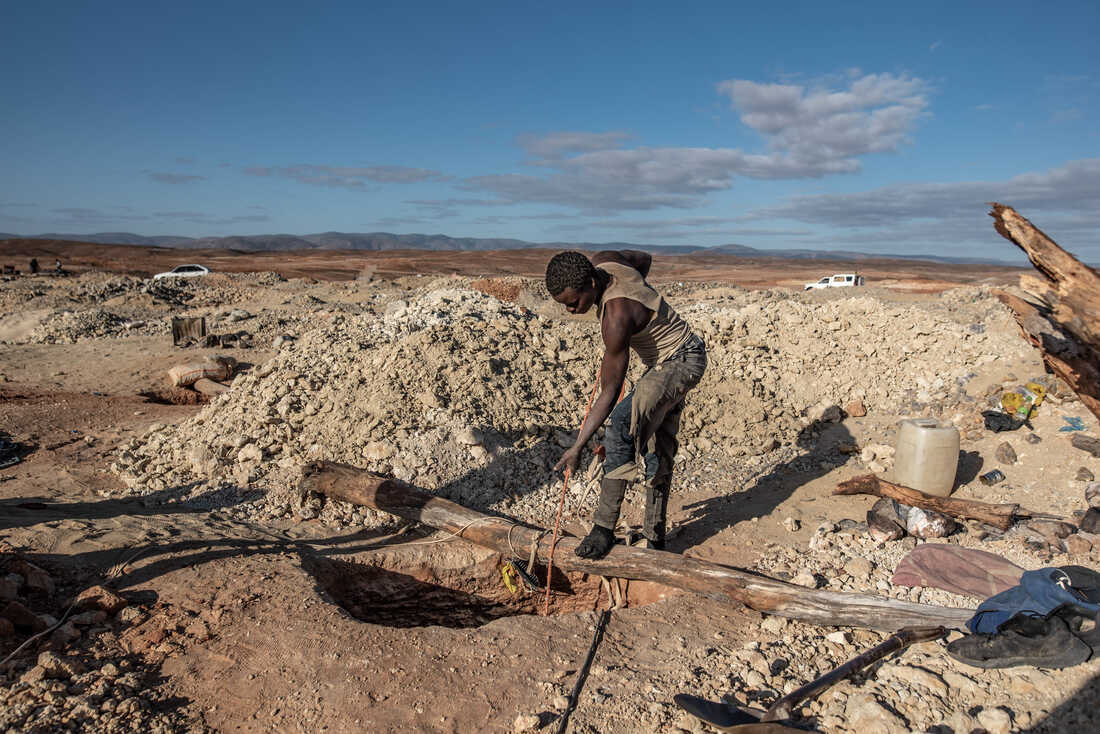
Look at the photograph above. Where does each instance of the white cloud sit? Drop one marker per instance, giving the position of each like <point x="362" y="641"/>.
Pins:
<point x="1073" y="187"/>
<point x="824" y="128"/>
<point x="810" y="132"/>
<point x="1063" y="201"/>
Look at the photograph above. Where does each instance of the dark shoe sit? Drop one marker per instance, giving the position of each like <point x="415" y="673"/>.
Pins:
<point x="596" y="544"/>
<point x="1022" y="640"/>
<point x="1084" y="624"/>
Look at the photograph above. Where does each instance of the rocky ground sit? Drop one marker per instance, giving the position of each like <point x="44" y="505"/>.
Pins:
<point x="226" y="578"/>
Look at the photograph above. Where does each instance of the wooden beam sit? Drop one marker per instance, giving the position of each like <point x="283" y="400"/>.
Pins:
<point x="722" y="583"/>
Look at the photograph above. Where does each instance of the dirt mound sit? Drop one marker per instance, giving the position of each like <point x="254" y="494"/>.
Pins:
<point x="475" y="399"/>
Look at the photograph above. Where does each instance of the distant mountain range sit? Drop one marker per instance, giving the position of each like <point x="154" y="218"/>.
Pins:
<point x="387" y="241"/>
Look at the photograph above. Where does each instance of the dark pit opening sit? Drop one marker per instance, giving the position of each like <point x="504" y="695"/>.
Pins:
<point x="416" y="593"/>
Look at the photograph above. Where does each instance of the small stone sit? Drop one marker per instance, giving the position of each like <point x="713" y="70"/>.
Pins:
<point x="858" y="568"/>
<point x="824" y="412"/>
<point x="98" y="597"/>
<point x="1052" y="529"/>
<point x="959" y="682"/>
<point x="129" y="615"/>
<point x="855" y="409"/>
<point x="560" y="703"/>
<point x="928" y="524"/>
<point x="1086" y="443"/>
<point x="1090" y="522"/>
<point x="20" y="616"/>
<point x="96" y="616"/>
<point x="1077" y="545"/>
<point x="805" y="578"/>
<point x="1033" y="438"/>
<point x="915" y="676"/>
<point x="791" y="524"/>
<point x="754" y="680"/>
<point x="65" y="634"/>
<point x="110" y="670"/>
<point x="865" y="714"/>
<point x="10" y="585"/>
<point x="57" y="666"/>
<point x="34" y="675"/>
<point x="1005" y="453"/>
<point x="35" y="578"/>
<point x="773" y="624"/>
<point x="1092" y="494"/>
<point x="995" y="721"/>
<point x="840" y="637"/>
<point x="526" y="722"/>
<point x="467" y="436"/>
<point x="884" y="521"/>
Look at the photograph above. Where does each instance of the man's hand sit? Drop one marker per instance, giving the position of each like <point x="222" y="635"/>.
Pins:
<point x="569" y="460"/>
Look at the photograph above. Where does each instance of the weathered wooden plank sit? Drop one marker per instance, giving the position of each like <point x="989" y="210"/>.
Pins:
<point x="999" y="516"/>
<point x="722" y="583"/>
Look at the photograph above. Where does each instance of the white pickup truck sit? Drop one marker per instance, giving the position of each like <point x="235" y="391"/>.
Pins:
<point x="840" y="280"/>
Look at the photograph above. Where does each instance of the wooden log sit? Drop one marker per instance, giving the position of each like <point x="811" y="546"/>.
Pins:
<point x="999" y="516"/>
<point x="722" y="583"/>
<point x="208" y="387"/>
<point x="1064" y="323"/>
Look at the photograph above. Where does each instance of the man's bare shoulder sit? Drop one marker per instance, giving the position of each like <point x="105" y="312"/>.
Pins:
<point x="626" y="312"/>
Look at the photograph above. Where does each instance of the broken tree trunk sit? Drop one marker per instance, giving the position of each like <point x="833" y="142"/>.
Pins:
<point x="724" y="584"/>
<point x="999" y="516"/>
<point x="1064" y="323"/>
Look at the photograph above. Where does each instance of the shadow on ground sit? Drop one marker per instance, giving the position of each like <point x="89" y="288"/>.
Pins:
<point x="821" y="445"/>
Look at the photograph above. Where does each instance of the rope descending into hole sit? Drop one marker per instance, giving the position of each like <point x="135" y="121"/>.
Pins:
<point x="561" y="504"/>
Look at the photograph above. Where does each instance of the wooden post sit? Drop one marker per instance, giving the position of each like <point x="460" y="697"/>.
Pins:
<point x="722" y="583"/>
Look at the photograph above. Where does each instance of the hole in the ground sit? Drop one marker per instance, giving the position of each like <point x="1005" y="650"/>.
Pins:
<point x="464" y="589"/>
<point x="175" y="396"/>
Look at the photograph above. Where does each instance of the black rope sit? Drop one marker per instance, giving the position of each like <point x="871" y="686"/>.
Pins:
<point x="582" y="674"/>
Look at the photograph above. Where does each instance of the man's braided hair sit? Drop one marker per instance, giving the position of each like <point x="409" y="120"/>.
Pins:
<point x="569" y="270"/>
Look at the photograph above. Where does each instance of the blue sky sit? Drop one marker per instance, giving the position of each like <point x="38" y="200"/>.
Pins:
<point x="873" y="126"/>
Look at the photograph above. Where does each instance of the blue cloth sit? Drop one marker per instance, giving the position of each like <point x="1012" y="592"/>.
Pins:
<point x="1039" y="594"/>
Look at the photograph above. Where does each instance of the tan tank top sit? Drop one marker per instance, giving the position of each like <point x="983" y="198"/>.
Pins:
<point x="666" y="331"/>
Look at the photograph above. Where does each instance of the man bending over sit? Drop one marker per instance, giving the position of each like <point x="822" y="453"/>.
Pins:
<point x="634" y="316"/>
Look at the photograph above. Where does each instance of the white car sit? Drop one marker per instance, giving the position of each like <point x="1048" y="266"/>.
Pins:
<point x="183" y="271"/>
<point x="840" y="280"/>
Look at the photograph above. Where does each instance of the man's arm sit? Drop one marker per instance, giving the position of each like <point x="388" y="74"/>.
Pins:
<point x="620" y="322"/>
<point x="640" y="261"/>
